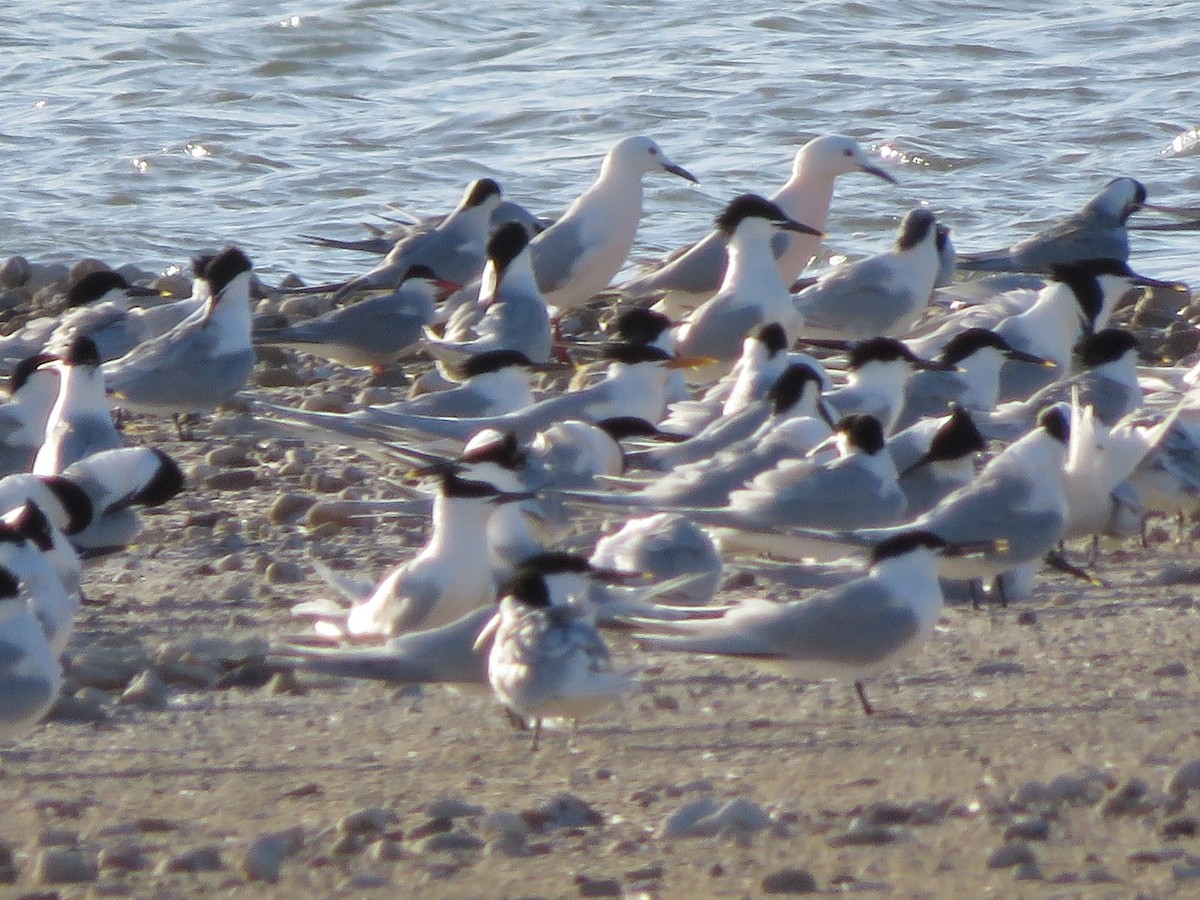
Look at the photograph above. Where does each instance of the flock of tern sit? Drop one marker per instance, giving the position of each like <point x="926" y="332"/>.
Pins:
<point x="885" y="426"/>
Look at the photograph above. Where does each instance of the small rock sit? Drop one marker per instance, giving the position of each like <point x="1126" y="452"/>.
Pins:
<point x="1028" y="871"/>
<point x="563" y="811"/>
<point x="449" y="842"/>
<point x="1014" y="853"/>
<point x="290" y="507"/>
<point x="1185" y="780"/>
<point x="453" y="808"/>
<point x="1171" y="670"/>
<point x="709" y="817"/>
<point x="228" y="456"/>
<point x="201" y="859"/>
<point x="388" y="850"/>
<point x="285" y="683"/>
<point x="370" y="821"/>
<point x="1130" y="799"/>
<point x="1028" y="829"/>
<point x="1180" y="827"/>
<point x="999" y="667"/>
<point x="597" y="887"/>
<point x="863" y="833"/>
<point x="789" y="881"/>
<point x="331" y="402"/>
<point x="57" y="866"/>
<point x="1165" y="854"/>
<point x="284" y="571"/>
<point x="155" y="825"/>
<point x="430" y="826"/>
<point x="123" y="858"/>
<point x="365" y="881"/>
<point x="347" y="845"/>
<point x="231" y="480"/>
<point x="84" y="707"/>
<point x="1185" y="872"/>
<point x="14" y="271"/>
<point x="148" y="691"/>
<point x="278" y="376"/>
<point x="264" y="857"/>
<point x="8" y="864"/>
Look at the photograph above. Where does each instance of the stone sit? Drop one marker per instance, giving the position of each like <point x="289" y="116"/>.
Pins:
<point x="789" y="881"/>
<point x="709" y="817"/>
<point x="1014" y="853"/>
<point x="290" y="507"/>
<point x="231" y="480"/>
<point x="284" y="571"/>
<point x="265" y="856"/>
<point x="123" y="858"/>
<point x="58" y="837"/>
<point x="1028" y="829"/>
<point x="1185" y="780"/>
<point x="563" y="811"/>
<point x="453" y="808"/>
<point x="370" y="821"/>
<point x="452" y="841"/>
<point x="59" y="866"/>
<point x="1130" y="799"/>
<point x="201" y="859"/>
<point x="597" y="887"/>
<point x="14" y="271"/>
<point x="147" y="691"/>
<point x="1180" y="827"/>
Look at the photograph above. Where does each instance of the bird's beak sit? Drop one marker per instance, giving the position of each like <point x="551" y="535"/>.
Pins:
<point x="1022" y="356"/>
<point x="680" y="171"/>
<point x="878" y="172"/>
<point x="690" y="362"/>
<point x="1147" y="281"/>
<point x="512" y="497"/>
<point x="934" y="366"/>
<point x="553" y="367"/>
<point x="920" y="463"/>
<point x="1180" y="212"/>
<point x="136" y="290"/>
<point x="799" y="227"/>
<point x="616" y="576"/>
<point x="973" y="548"/>
<point x="446" y="286"/>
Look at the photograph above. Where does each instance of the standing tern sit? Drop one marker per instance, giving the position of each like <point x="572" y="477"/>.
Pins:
<point x="1098" y="230"/>
<point x="547" y="660"/>
<point x="880" y="295"/>
<point x="201" y="362"/>
<point x="373" y="332"/>
<point x="30" y="674"/>
<point x="751" y="293"/>
<point x="515" y="315"/>
<point x="80" y="423"/>
<point x="32" y="393"/>
<point x="693" y="274"/>
<point x="851" y="632"/>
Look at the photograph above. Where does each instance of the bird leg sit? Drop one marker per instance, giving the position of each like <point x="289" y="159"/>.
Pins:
<point x="975" y="586"/>
<point x="862" y="698"/>
<point x="515" y="719"/>
<point x="537" y="734"/>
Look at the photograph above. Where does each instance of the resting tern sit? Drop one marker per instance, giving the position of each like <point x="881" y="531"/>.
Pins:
<point x="693" y="274"/>
<point x="751" y="293"/>
<point x="98" y="308"/>
<point x="372" y="332"/>
<point x="877" y="371"/>
<point x="881" y="295"/>
<point x="935" y="457"/>
<point x="32" y="392"/>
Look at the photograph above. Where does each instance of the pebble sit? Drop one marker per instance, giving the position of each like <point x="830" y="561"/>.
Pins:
<point x="563" y="811"/>
<point x="284" y="571"/>
<point x="388" y="850"/>
<point x="265" y="855"/>
<point x="789" y="881"/>
<point x="455" y="840"/>
<point x="8" y="864"/>
<point x="1130" y="799"/>
<point x="280" y="376"/>
<point x="229" y="456"/>
<point x="1185" y="780"/>
<point x="330" y="401"/>
<point x="864" y="833"/>
<point x="711" y="817"/>
<point x="1013" y="853"/>
<point x="1028" y="829"/>
<point x="58" y="837"/>
<point x="14" y="271"/>
<point x="201" y="859"/>
<point x="123" y="858"/>
<point x="597" y="887"/>
<point x="148" y="691"/>
<point x="84" y="707"/>
<point x="1180" y="827"/>
<point x="1171" y="670"/>
<point x="231" y="480"/>
<point x="285" y="683"/>
<point x="430" y="826"/>
<point x="370" y="821"/>
<point x="373" y="396"/>
<point x="57" y="866"/>
<point x="1185" y="872"/>
<point x="454" y="808"/>
<point x="290" y="507"/>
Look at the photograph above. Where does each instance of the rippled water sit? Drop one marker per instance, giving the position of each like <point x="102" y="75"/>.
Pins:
<point x="143" y="132"/>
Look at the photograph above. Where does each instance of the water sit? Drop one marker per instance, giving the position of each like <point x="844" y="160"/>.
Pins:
<point x="144" y="132"/>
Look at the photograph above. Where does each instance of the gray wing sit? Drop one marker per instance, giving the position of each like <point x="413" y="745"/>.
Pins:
<point x="695" y="269"/>
<point x="557" y="253"/>
<point x="718" y="329"/>
<point x="80" y="438"/>
<point x="415" y="597"/>
<point x="855" y="625"/>
<point x="835" y="498"/>
<point x="858" y="300"/>
<point x="179" y="369"/>
<point x="1079" y="236"/>
<point x="928" y="393"/>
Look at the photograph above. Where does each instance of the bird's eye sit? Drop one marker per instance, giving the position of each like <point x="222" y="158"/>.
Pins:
<point x="654" y="151"/>
<point x="847" y="152"/>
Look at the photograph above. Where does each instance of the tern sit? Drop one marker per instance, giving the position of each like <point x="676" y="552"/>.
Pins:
<point x="32" y="393"/>
<point x="752" y="293"/>
<point x="851" y="632"/>
<point x="80" y="423"/>
<point x="881" y="295"/>
<point x="30" y="674"/>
